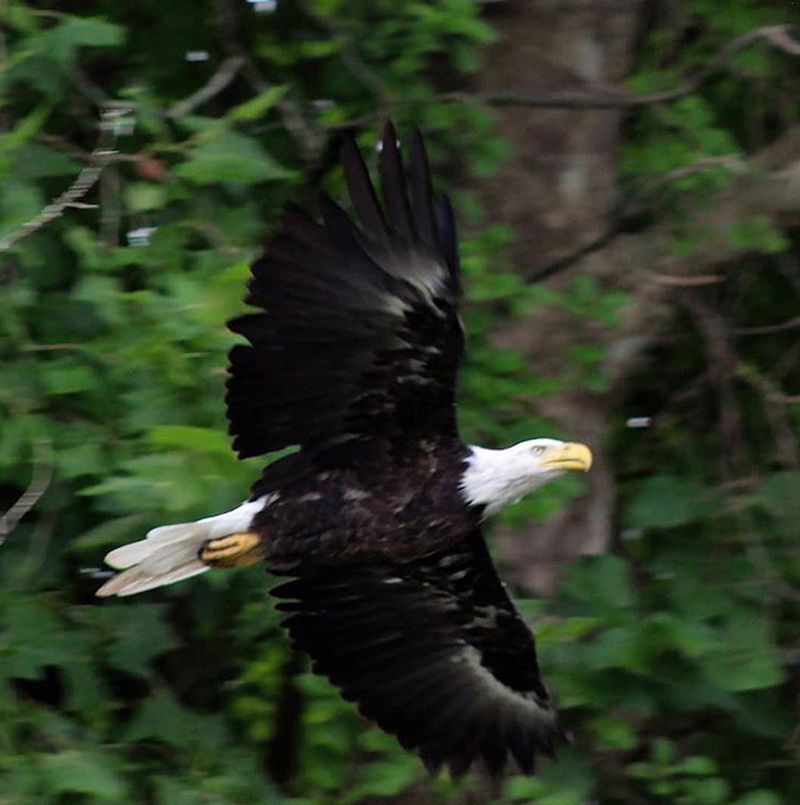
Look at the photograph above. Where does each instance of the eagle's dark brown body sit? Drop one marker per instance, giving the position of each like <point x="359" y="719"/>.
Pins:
<point x="365" y="501"/>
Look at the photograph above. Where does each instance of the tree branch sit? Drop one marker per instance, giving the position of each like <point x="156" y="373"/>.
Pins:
<point x="781" y="37"/>
<point x="87" y="87"/>
<point x="349" y="54"/>
<point x="40" y="481"/>
<point x="774" y="402"/>
<point x="733" y="162"/>
<point x="308" y="138"/>
<point x="226" y="72"/>
<point x="767" y="329"/>
<point x="562" y="263"/>
<point x="110" y="118"/>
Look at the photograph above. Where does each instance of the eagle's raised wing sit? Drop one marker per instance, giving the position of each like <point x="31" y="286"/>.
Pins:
<point x="359" y="333"/>
<point x="431" y="649"/>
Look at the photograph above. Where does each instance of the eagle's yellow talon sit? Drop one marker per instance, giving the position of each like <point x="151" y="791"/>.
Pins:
<point x="232" y="551"/>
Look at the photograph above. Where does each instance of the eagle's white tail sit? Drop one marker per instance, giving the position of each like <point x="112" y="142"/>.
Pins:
<point x="171" y="553"/>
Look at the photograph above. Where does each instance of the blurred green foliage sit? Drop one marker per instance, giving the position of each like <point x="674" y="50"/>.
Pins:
<point x="674" y="661"/>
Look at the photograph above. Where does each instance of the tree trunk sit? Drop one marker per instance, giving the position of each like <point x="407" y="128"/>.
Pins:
<point x="557" y="192"/>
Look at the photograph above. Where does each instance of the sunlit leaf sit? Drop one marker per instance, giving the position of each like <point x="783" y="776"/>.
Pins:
<point x="230" y="157"/>
<point x="204" y="440"/>
<point x="79" y="772"/>
<point x="258" y="106"/>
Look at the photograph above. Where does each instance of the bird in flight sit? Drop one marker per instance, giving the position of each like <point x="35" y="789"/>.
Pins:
<point x="376" y="520"/>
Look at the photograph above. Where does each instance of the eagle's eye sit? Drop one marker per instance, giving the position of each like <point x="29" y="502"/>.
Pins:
<point x="537" y="450"/>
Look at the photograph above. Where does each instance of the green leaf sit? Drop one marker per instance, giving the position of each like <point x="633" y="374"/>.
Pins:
<point x="35" y="161"/>
<point x="162" y="718"/>
<point x="709" y="791"/>
<point x="19" y="203"/>
<point x="68" y="377"/>
<point x="82" y="772"/>
<point x="778" y="494"/>
<point x="61" y="42"/>
<point x="570" y="781"/>
<point x="761" y="797"/>
<point x="667" y="501"/>
<point x="386" y="778"/>
<point x="611" y="732"/>
<point x="758" y="233"/>
<point x="257" y="107"/>
<point x="110" y="533"/>
<point x="144" y="196"/>
<point x="698" y="765"/>
<point x="230" y="157"/>
<point x="140" y="635"/>
<point x="32" y="637"/>
<point x="743" y="656"/>
<point x="603" y="583"/>
<point x="25" y="128"/>
<point x="203" y="440"/>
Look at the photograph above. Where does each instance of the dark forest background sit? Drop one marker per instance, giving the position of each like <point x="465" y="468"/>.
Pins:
<point x="627" y="180"/>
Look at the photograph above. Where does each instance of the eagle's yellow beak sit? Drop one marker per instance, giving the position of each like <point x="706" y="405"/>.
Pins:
<point x="570" y="456"/>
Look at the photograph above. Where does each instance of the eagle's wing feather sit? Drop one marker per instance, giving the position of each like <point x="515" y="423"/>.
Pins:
<point x="358" y="330"/>
<point x="431" y="649"/>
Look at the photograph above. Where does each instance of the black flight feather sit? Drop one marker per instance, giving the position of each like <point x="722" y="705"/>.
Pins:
<point x="358" y="329"/>
<point x="439" y="658"/>
<point x="446" y="236"/>
<point x="393" y="185"/>
<point x="421" y="192"/>
<point x="361" y="191"/>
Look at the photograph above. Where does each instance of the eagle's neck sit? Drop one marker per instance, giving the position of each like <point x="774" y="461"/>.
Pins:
<point x="495" y="478"/>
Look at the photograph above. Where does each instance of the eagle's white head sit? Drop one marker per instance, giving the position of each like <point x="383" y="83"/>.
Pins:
<point x="497" y="477"/>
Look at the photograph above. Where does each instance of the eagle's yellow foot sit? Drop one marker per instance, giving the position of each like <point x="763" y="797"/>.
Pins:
<point x="236" y="550"/>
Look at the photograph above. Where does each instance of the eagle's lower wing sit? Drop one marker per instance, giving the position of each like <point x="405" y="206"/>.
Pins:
<point x="358" y="332"/>
<point x="432" y="650"/>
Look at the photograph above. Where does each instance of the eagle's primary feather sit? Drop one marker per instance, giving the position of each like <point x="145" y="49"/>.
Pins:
<point x="359" y="332"/>
<point x="352" y="355"/>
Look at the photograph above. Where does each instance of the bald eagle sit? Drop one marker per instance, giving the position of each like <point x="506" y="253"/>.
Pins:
<point x="352" y="355"/>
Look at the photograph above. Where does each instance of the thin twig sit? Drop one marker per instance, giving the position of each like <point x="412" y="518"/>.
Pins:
<point x="224" y="75"/>
<point x="562" y="263"/>
<point x="624" y="210"/>
<point x="786" y="363"/>
<point x="780" y="36"/>
<point x="4" y="120"/>
<point x="766" y="386"/>
<point x="758" y="554"/>
<point x="349" y="53"/>
<point x="721" y="361"/>
<point x="773" y="401"/>
<point x="689" y="282"/>
<point x="50" y="347"/>
<point x="40" y="481"/>
<point x="767" y="329"/>
<point x="39" y="542"/>
<point x="86" y="156"/>
<point x="110" y="207"/>
<point x="733" y="162"/>
<point x="86" y="179"/>
<point x="88" y="88"/>
<point x="84" y="182"/>
<point x="308" y="138"/>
